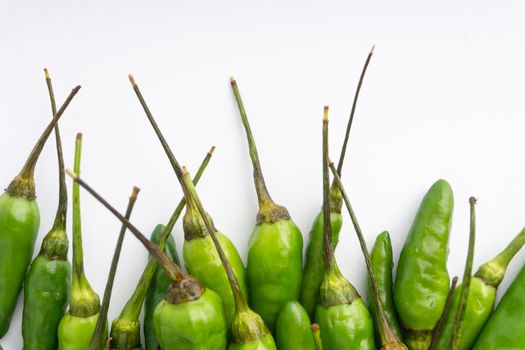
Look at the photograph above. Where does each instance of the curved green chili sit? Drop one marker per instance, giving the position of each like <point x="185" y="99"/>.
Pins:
<point x="19" y="222"/>
<point x="46" y="287"/>
<point x="313" y="268"/>
<point x="422" y="280"/>
<point x="276" y="238"/>
<point x="341" y="313"/>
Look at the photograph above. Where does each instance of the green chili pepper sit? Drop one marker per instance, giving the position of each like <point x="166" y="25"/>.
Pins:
<point x="481" y="297"/>
<point x="341" y="313"/>
<point x="19" y="222"/>
<point x="158" y="289"/>
<point x="276" y="239"/>
<point x="313" y="268"/>
<point x="125" y="329"/>
<point x="388" y="339"/>
<point x="248" y="330"/>
<point x="382" y="263"/>
<point x="316" y="331"/>
<point x="78" y="324"/>
<point x="293" y="328"/>
<point x="46" y="287"/>
<point x="186" y="298"/>
<point x="422" y="281"/>
<point x="98" y="339"/>
<point x="505" y="328"/>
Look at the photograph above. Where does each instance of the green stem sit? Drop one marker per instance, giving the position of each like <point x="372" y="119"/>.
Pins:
<point x="317" y="336"/>
<point x="260" y="185"/>
<point x="467" y="277"/>
<point x="386" y="333"/>
<point x="131" y="310"/>
<point x="328" y="249"/>
<point x="436" y="332"/>
<point x="23" y="184"/>
<point x="97" y="338"/>
<point x="61" y="214"/>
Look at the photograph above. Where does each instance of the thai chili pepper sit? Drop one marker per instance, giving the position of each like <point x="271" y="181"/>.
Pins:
<point x="19" y="222"/>
<point x="125" y="329"/>
<point x="481" y="297"/>
<point x="293" y="328"/>
<point x="46" y="287"/>
<point x="313" y="267"/>
<point x="192" y="316"/>
<point x="248" y="330"/>
<point x="382" y="263"/>
<point x="422" y="281"/>
<point x="387" y="336"/>
<point x="436" y="332"/>
<point x="275" y="239"/>
<point x="341" y="313"/>
<point x="78" y="324"/>
<point x="97" y="341"/>
<point x="158" y="289"/>
<point x="316" y="331"/>
<point x="505" y="328"/>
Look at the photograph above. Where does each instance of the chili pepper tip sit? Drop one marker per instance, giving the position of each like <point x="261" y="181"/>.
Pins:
<point x="132" y="80"/>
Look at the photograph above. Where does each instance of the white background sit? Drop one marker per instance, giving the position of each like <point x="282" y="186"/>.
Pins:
<point x="443" y="98"/>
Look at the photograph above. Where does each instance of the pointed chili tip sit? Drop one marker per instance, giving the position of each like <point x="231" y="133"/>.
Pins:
<point x="232" y="80"/>
<point x="134" y="192"/>
<point x="184" y="170"/>
<point x="79" y="136"/>
<point x="71" y="174"/>
<point x="372" y="49"/>
<point x="325" y="117"/>
<point x="212" y="149"/>
<point x="472" y="200"/>
<point x="46" y="73"/>
<point x="132" y="80"/>
<point x="314" y="327"/>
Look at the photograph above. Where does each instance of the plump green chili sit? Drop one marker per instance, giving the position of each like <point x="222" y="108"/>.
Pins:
<point x="383" y="263"/>
<point x="19" y="223"/>
<point x="276" y="238"/>
<point x="99" y="335"/>
<point x="125" y="329"/>
<point x="481" y="296"/>
<point x="422" y="280"/>
<point x="158" y="289"/>
<point x="389" y="341"/>
<point x="313" y="267"/>
<point x="78" y="324"/>
<point x="293" y="328"/>
<point x="191" y="317"/>
<point x="46" y="287"/>
<point x="341" y="313"/>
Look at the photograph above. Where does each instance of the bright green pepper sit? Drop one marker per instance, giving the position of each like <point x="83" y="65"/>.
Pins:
<point x="276" y="239"/>
<point x="481" y="297"/>
<point x="382" y="262"/>
<point x="158" y="289"/>
<point x="293" y="328"/>
<point x="125" y="329"/>
<point x="422" y="281"/>
<point x="186" y="297"/>
<point x="78" y="324"/>
<point x="19" y="222"/>
<point x="46" y="287"/>
<point x="344" y="320"/>
<point x="313" y="267"/>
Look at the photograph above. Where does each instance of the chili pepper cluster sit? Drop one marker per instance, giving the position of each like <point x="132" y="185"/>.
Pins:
<point x="278" y="300"/>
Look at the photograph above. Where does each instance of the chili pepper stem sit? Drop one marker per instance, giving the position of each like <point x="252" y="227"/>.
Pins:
<point x="97" y="340"/>
<point x="388" y="338"/>
<point x="317" y="336"/>
<point x="436" y="333"/>
<point x="467" y="277"/>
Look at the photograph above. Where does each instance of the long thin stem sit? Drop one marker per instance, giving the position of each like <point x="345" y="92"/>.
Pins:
<point x="173" y="270"/>
<point x="78" y="251"/>
<point x="260" y="185"/>
<point x="327" y="228"/>
<point x="385" y="329"/>
<point x="29" y="167"/>
<point x="97" y="340"/>
<point x="467" y="277"/>
<point x="351" y="118"/>
<point x="436" y="332"/>
<point x="61" y="214"/>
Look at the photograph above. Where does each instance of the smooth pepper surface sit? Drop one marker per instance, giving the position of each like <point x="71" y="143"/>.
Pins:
<point x="293" y="328"/>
